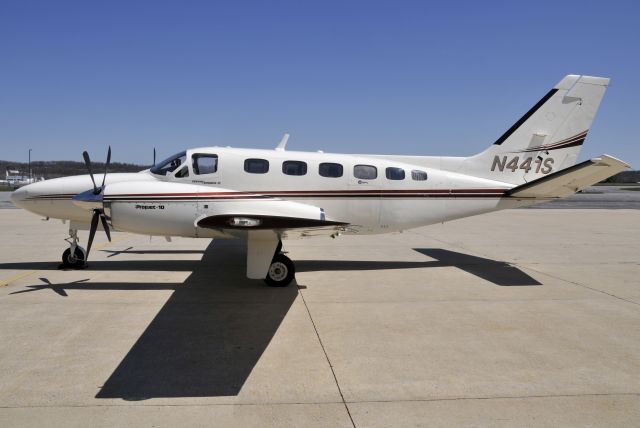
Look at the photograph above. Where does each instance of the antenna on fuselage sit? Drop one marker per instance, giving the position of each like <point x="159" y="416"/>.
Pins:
<point x="282" y="144"/>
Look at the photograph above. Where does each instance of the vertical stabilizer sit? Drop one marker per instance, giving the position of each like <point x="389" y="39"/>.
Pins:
<point x="547" y="138"/>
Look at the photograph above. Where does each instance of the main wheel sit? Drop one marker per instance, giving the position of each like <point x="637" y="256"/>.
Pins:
<point x="281" y="272"/>
<point x="75" y="260"/>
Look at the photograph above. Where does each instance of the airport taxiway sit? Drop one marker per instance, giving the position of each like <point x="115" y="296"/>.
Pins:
<point x="522" y="317"/>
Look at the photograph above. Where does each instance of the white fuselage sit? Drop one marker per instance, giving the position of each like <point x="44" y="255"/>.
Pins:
<point x="369" y="205"/>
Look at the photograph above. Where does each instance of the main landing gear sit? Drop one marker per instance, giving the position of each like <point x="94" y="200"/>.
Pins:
<point x="75" y="256"/>
<point x="281" y="271"/>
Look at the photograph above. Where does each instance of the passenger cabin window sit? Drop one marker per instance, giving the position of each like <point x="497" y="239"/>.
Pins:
<point x="256" y="166"/>
<point x="395" y="173"/>
<point x="418" y="175"/>
<point x="294" y="167"/>
<point x="170" y="164"/>
<point x="365" y="172"/>
<point x="184" y="172"/>
<point x="204" y="164"/>
<point x="327" y="169"/>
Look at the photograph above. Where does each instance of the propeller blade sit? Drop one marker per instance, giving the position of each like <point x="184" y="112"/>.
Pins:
<point x="105" y="226"/>
<point x="92" y="231"/>
<point x="106" y="166"/>
<point x="154" y="155"/>
<point x="87" y="162"/>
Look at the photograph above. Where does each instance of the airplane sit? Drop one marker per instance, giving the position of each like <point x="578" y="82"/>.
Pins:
<point x="267" y="196"/>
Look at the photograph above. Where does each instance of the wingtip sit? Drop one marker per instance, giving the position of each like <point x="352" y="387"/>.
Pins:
<point x="610" y="160"/>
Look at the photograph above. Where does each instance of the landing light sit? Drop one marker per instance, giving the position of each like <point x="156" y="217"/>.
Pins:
<point x="244" y="222"/>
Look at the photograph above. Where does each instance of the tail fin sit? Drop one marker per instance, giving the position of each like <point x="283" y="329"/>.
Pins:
<point x="548" y="138"/>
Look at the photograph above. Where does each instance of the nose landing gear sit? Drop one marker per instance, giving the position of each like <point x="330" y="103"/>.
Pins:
<point x="75" y="256"/>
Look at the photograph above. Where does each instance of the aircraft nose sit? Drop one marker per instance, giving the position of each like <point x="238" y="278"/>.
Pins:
<point x="19" y="196"/>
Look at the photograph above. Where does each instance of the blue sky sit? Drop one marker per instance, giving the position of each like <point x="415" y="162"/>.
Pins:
<point x="424" y="78"/>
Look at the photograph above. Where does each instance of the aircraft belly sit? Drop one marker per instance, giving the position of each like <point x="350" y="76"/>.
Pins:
<point x="401" y="214"/>
<point x="465" y="207"/>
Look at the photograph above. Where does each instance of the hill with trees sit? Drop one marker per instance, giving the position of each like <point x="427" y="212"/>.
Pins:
<point x="54" y="169"/>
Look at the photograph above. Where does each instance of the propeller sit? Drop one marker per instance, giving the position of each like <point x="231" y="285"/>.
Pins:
<point x="87" y="162"/>
<point x="94" y="199"/>
<point x="154" y="156"/>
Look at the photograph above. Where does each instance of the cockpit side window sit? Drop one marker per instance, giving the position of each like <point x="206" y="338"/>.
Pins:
<point x="183" y="173"/>
<point x="170" y="164"/>
<point x="204" y="163"/>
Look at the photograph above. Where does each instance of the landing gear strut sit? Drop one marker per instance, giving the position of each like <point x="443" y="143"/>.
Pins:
<point x="74" y="257"/>
<point x="282" y="270"/>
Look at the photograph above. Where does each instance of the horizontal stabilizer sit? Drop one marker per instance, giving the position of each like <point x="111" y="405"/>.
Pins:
<point x="570" y="180"/>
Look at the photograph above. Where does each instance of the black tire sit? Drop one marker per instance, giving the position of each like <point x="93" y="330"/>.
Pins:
<point x="281" y="272"/>
<point x="75" y="261"/>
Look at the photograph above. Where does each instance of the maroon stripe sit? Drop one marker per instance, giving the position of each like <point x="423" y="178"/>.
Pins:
<point x="568" y="140"/>
<point x="577" y="142"/>
<point x="578" y="137"/>
<point x="556" y="146"/>
<point x="311" y="192"/>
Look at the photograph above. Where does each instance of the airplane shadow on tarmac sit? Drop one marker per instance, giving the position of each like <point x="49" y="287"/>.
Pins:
<point x="207" y="337"/>
<point x="497" y="272"/>
<point x="211" y="332"/>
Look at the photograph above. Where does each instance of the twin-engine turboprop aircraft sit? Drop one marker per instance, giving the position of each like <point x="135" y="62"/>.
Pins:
<point x="266" y="196"/>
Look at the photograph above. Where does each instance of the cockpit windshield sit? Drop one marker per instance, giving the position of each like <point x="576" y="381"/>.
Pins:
<point x="170" y="164"/>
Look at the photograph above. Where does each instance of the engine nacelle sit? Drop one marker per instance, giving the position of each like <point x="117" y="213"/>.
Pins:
<point x="153" y="208"/>
<point x="189" y="210"/>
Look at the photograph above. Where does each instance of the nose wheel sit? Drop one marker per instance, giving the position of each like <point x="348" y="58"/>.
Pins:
<point x="281" y="272"/>
<point x="74" y="259"/>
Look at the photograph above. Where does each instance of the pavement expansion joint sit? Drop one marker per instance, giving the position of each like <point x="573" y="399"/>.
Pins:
<point x="326" y="355"/>
<point x="513" y="397"/>
<point x="586" y="286"/>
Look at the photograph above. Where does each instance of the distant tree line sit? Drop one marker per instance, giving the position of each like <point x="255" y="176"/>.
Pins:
<point x="624" y="177"/>
<point x="54" y="169"/>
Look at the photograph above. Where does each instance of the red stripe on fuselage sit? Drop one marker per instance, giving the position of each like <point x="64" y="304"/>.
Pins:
<point x="316" y="193"/>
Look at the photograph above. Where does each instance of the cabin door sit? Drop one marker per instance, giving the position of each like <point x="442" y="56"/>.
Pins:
<point x="364" y="198"/>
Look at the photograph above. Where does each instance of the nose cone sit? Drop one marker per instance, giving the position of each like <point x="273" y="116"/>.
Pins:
<point x="19" y="196"/>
